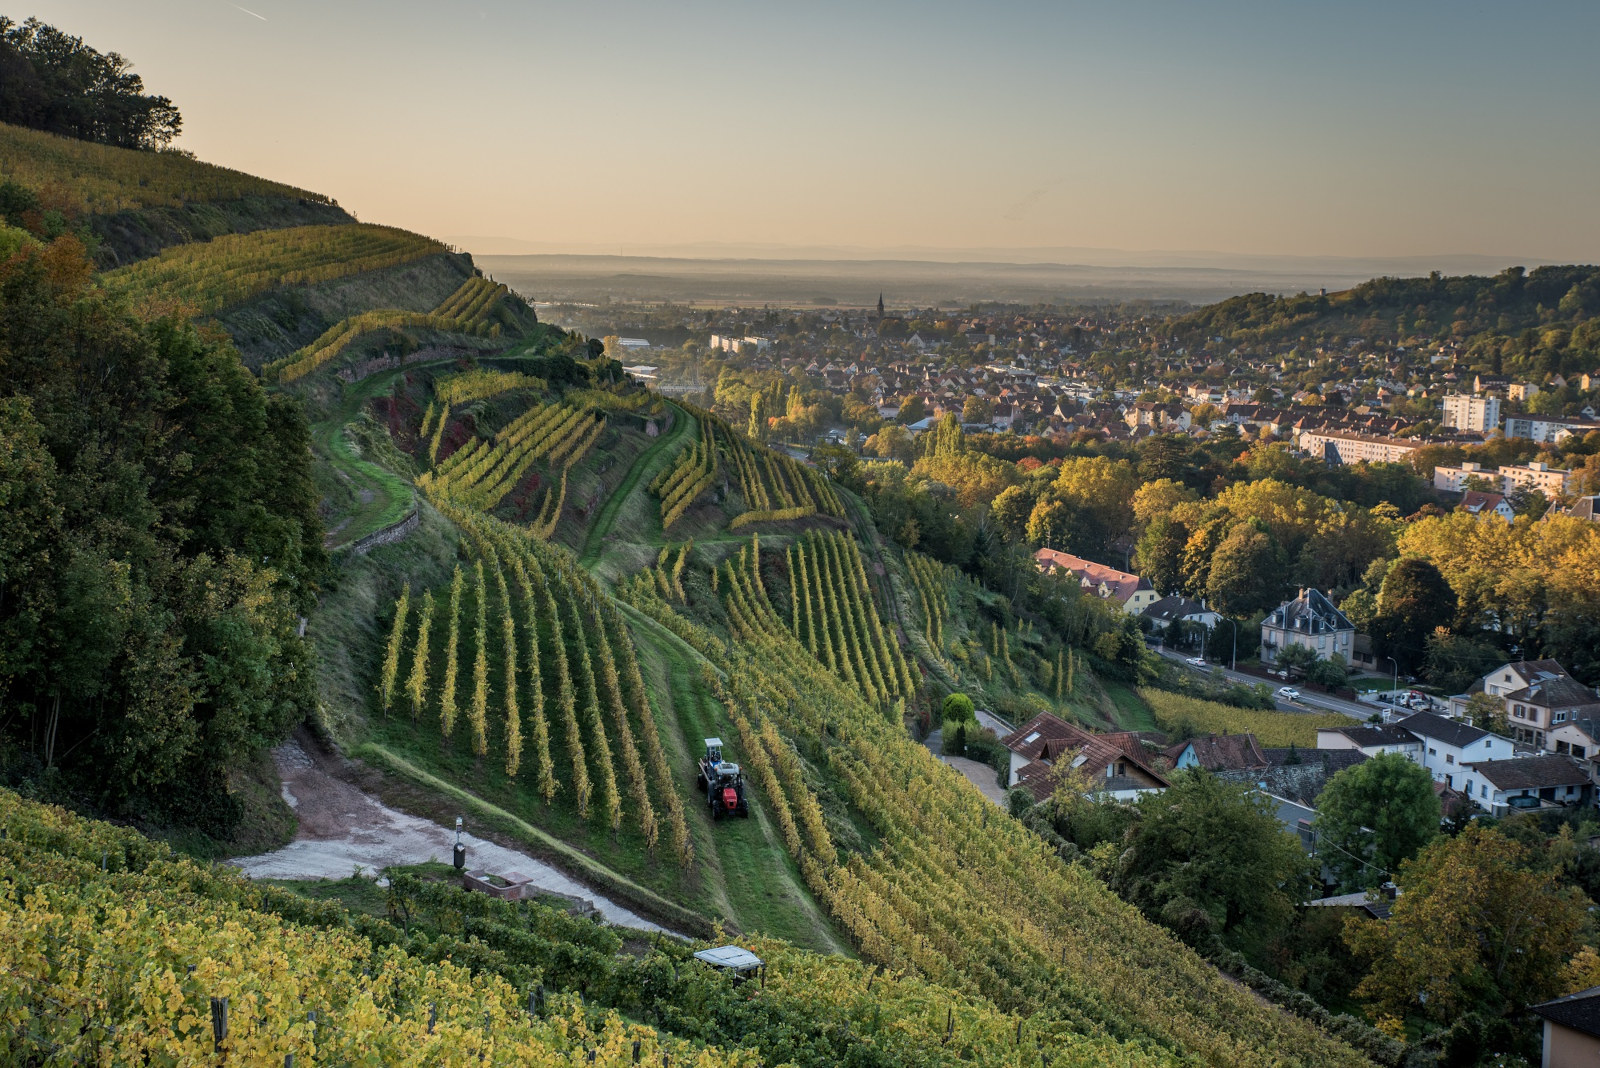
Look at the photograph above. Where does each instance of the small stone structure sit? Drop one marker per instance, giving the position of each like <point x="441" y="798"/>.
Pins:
<point x="507" y="886"/>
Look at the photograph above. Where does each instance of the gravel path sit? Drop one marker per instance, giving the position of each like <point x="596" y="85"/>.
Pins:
<point x="342" y="829"/>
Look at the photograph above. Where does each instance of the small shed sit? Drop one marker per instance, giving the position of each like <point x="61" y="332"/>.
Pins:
<point x="735" y="959"/>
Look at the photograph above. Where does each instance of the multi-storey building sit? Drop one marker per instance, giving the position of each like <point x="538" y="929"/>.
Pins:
<point x="1344" y="448"/>
<point x="1467" y="411"/>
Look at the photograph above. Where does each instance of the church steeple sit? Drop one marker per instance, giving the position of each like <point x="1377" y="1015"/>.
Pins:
<point x="880" y="305"/>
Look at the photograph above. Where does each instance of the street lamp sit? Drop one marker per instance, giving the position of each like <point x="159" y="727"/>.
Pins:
<point x="1233" y="665"/>
<point x="1396" y="664"/>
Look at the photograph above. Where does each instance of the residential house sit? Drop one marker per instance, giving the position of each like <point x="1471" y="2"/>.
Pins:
<point x="1545" y="704"/>
<point x="1176" y="608"/>
<point x="1311" y="620"/>
<point x="1506" y="679"/>
<point x="1571" y="1030"/>
<point x="1115" y="763"/>
<point x="1372" y="741"/>
<point x="1525" y="782"/>
<point x="1484" y="505"/>
<point x="1217" y="752"/>
<point x="1133" y="593"/>
<point x="1446" y="745"/>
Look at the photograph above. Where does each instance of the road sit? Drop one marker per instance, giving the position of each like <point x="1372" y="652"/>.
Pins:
<point x="1306" y="702"/>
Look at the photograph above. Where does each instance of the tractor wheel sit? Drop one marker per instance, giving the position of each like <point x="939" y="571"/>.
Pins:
<point x="700" y="782"/>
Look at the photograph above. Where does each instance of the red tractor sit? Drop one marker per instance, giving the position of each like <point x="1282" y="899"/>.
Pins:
<point x="723" y="783"/>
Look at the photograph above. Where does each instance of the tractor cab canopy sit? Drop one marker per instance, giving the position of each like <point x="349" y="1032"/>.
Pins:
<point x="736" y="959"/>
<point x="714" y="750"/>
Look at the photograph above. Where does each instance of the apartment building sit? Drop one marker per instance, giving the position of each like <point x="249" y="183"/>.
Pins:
<point x="1466" y="411"/>
<point x="1344" y="448"/>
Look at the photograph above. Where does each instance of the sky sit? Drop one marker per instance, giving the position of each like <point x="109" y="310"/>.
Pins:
<point x="1342" y="128"/>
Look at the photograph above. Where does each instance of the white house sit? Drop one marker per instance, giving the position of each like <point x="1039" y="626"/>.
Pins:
<point x="1446" y="745"/>
<point x="1372" y="741"/>
<point x="1525" y="782"/>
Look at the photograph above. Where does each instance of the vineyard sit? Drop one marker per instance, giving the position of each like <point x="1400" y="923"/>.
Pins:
<point x="1055" y="944"/>
<point x="209" y="276"/>
<point x="537" y="672"/>
<point x="464" y="312"/>
<point x="775" y="487"/>
<point x="833" y="615"/>
<point x="1175" y="712"/>
<point x="242" y="974"/>
<point x="481" y="473"/>
<point x="98" y="179"/>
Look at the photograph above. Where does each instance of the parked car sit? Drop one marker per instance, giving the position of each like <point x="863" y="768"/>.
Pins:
<point x="1288" y="693"/>
<point x="1196" y="661"/>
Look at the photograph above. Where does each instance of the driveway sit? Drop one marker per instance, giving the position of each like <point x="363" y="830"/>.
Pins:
<point x="976" y="772"/>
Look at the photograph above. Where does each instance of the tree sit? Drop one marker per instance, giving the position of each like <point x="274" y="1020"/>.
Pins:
<point x="1158" y="556"/>
<point x="1413" y="602"/>
<point x="1488" y="713"/>
<point x="893" y="442"/>
<point x="757" y="427"/>
<point x="1475" y="930"/>
<point x="976" y="410"/>
<point x="958" y="708"/>
<point x="1010" y="511"/>
<point x="1209" y="857"/>
<point x="1374" y="816"/>
<point x="912" y="410"/>
<point x="54" y="82"/>
<point x="1330" y="672"/>
<point x="1295" y="658"/>
<point x="1360" y="608"/>
<point x="1050" y="523"/>
<point x="1247" y="571"/>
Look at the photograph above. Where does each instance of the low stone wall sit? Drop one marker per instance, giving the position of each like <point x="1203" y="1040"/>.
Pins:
<point x="388" y="535"/>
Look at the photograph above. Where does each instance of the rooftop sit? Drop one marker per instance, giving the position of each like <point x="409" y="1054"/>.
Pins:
<point x="1532" y="773"/>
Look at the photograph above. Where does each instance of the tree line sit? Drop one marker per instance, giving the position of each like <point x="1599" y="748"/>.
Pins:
<point x="53" y="81"/>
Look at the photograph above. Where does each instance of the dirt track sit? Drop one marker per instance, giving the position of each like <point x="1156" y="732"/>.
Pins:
<point x="343" y="829"/>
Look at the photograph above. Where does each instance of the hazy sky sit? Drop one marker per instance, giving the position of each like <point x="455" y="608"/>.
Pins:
<point x="1395" y="128"/>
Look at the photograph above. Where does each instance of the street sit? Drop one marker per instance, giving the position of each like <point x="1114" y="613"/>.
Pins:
<point x="1306" y="702"/>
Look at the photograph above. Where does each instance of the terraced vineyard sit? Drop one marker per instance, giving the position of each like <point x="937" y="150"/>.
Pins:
<point x="480" y="474"/>
<point x="774" y="487"/>
<point x="468" y="312"/>
<point x="209" y="276"/>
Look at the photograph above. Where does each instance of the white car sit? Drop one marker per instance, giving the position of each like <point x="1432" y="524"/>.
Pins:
<point x="1288" y="693"/>
<point x="1196" y="661"/>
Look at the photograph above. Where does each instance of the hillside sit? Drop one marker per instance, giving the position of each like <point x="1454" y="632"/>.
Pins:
<point x="137" y="203"/>
<point x="544" y="588"/>
<point x="1560" y="305"/>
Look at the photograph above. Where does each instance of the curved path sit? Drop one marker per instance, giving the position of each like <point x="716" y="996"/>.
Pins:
<point x="345" y="831"/>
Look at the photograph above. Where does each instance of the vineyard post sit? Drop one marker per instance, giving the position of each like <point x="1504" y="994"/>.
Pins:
<point x="219" y="1021"/>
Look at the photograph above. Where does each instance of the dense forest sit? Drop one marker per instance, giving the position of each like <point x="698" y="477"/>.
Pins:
<point x="1523" y="321"/>
<point x="159" y="537"/>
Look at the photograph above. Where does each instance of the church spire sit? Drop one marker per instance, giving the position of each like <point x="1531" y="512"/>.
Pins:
<point x="880" y="305"/>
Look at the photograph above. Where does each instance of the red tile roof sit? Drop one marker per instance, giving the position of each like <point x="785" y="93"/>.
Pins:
<point x="1122" y="584"/>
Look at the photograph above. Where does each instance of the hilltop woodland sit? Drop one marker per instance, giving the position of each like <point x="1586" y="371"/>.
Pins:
<point x="285" y="471"/>
<point x="1544" y="321"/>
